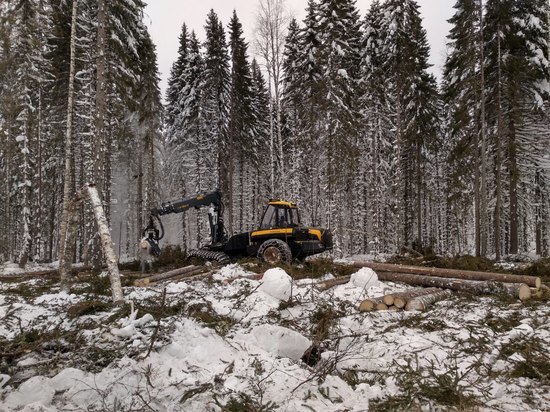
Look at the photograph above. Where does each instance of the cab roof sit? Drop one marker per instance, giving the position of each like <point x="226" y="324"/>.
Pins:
<point x="282" y="203"/>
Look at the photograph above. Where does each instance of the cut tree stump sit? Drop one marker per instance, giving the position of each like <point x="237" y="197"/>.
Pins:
<point x="421" y="303"/>
<point x="516" y="290"/>
<point x="532" y="281"/>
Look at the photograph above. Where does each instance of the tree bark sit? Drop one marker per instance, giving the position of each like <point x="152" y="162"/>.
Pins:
<point x="327" y="284"/>
<point x="106" y="243"/>
<point x="401" y="299"/>
<point x="421" y="303"/>
<point x="451" y="273"/>
<point x="62" y="256"/>
<point x="68" y="236"/>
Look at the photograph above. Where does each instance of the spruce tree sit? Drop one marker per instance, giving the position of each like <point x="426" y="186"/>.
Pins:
<point x="415" y="115"/>
<point x="239" y="126"/>
<point x="215" y="100"/>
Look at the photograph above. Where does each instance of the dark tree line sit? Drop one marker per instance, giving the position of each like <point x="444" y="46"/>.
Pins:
<point x="371" y="146"/>
<point x="116" y="113"/>
<point x="356" y="128"/>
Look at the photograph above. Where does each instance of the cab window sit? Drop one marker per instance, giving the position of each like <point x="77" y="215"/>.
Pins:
<point x="270" y="216"/>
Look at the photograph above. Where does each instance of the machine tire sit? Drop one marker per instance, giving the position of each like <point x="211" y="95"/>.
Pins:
<point x="275" y="251"/>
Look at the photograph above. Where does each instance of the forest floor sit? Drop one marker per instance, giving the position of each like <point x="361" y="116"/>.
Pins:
<point x="221" y="344"/>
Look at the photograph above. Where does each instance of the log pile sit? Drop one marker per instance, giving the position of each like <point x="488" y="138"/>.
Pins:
<point x="437" y="284"/>
<point x="414" y="299"/>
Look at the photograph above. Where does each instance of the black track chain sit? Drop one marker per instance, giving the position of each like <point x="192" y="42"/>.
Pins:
<point x="210" y="255"/>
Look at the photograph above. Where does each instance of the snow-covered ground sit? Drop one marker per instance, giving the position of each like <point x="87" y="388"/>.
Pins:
<point x="232" y="343"/>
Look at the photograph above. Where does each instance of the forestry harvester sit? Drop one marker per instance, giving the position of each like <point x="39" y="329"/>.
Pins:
<point x="280" y="236"/>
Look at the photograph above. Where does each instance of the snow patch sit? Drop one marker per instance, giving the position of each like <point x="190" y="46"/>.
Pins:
<point x="280" y="341"/>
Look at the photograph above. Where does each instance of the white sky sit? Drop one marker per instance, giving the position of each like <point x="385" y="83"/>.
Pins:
<point x="165" y="18"/>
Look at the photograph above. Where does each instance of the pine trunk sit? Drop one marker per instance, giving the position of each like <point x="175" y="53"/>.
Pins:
<point x="68" y="184"/>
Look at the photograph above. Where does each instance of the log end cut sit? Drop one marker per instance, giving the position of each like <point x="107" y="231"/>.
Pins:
<point x="524" y="292"/>
<point x="367" y="306"/>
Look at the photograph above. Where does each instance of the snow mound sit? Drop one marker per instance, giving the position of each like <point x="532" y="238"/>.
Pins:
<point x="280" y="341"/>
<point x="35" y="390"/>
<point x="277" y="283"/>
<point x="365" y="278"/>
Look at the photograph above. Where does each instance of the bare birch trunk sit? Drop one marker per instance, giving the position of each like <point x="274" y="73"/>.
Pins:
<point x="421" y="303"/>
<point x="64" y="274"/>
<point x="401" y="299"/>
<point x="106" y="243"/>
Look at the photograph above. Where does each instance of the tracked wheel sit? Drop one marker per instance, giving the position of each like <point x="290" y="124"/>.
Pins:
<point x="210" y="255"/>
<point x="275" y="251"/>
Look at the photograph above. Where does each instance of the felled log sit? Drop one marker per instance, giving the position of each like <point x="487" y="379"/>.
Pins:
<point x="532" y="281"/>
<point x="400" y="299"/>
<point x="166" y="275"/>
<point x="327" y="284"/>
<point x="515" y="290"/>
<point x="388" y="299"/>
<point x="381" y="306"/>
<point x="194" y="274"/>
<point x="421" y="303"/>
<point x="370" y="304"/>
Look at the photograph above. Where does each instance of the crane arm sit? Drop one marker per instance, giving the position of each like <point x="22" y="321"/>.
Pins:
<point x="182" y="205"/>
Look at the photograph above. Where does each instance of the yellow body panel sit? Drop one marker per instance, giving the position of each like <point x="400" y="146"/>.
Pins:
<point x="288" y="231"/>
<point x="315" y="232"/>
<point x="272" y="232"/>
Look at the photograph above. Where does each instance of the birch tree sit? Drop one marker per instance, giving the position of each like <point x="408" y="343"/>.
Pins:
<point x="272" y="19"/>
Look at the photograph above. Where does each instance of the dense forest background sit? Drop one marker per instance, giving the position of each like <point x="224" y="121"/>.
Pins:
<point x="338" y="112"/>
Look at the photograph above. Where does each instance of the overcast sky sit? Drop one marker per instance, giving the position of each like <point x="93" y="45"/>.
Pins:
<point x="165" y="18"/>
